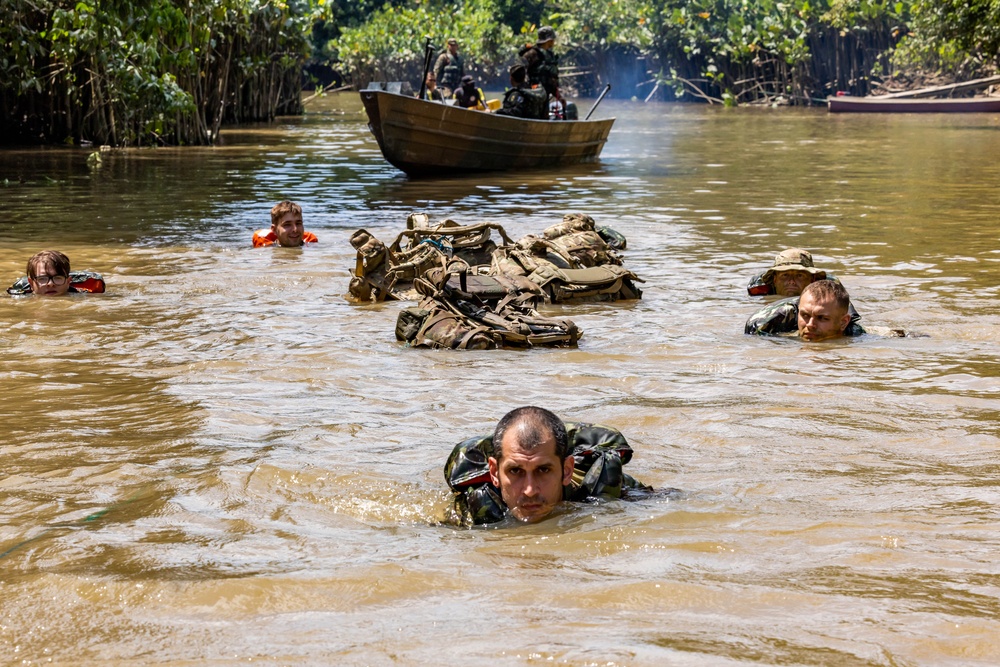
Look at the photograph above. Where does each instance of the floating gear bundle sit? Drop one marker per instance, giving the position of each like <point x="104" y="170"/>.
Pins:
<point x="475" y="294"/>
<point x="479" y="314"/>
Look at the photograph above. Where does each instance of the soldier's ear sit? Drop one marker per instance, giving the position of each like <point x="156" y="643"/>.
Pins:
<point x="494" y="471"/>
<point x="568" y="470"/>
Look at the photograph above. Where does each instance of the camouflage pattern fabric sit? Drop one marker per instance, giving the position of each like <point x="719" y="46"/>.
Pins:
<point x="525" y="103"/>
<point x="449" y="69"/>
<point x="457" y="318"/>
<point x="564" y="285"/>
<point x="599" y="452"/>
<point x="383" y="273"/>
<point x="782" y="318"/>
<point x="471" y="243"/>
<point x="551" y="265"/>
<point x="542" y="66"/>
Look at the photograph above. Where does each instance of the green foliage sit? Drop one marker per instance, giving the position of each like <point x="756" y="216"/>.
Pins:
<point x="127" y="73"/>
<point x="389" y="46"/>
<point x="604" y="24"/>
<point x="961" y="37"/>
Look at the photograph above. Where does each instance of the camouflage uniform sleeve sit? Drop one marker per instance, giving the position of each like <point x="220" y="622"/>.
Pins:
<point x="476" y="500"/>
<point x="779" y="317"/>
<point x="599" y="452"/>
<point x="439" y="65"/>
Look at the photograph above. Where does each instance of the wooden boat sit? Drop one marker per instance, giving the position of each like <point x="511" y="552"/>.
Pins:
<point x="846" y="103"/>
<point x="426" y="138"/>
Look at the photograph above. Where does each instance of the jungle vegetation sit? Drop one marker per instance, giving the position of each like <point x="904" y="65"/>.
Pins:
<point x="143" y="72"/>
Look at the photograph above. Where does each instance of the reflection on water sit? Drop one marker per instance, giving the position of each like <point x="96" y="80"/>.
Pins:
<point x="221" y="459"/>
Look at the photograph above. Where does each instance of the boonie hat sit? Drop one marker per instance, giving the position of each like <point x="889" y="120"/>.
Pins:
<point x="793" y="259"/>
<point x="545" y="33"/>
<point x="452" y="40"/>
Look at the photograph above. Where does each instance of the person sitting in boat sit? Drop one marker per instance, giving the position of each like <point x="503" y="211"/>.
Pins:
<point x="520" y="101"/>
<point x="533" y="462"/>
<point x="286" y="228"/>
<point x="542" y="63"/>
<point x="468" y="96"/>
<point x="49" y="275"/>
<point x="431" y="91"/>
<point x="793" y="269"/>
<point x="449" y="68"/>
<point x="822" y="312"/>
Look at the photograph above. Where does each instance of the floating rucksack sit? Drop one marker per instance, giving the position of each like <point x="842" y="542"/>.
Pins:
<point x="452" y="317"/>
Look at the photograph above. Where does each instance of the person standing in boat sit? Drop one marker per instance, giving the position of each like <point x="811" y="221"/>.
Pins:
<point x="449" y="68"/>
<point x="542" y="63"/>
<point x="468" y="96"/>
<point x="520" y="101"/>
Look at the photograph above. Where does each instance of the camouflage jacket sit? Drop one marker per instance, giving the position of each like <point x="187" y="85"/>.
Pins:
<point x="782" y="317"/>
<point x="525" y="103"/>
<point x="543" y="67"/>
<point x="449" y="69"/>
<point x="599" y="452"/>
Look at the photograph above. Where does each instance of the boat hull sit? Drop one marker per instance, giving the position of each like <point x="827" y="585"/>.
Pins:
<point x="847" y="104"/>
<point x="426" y="138"/>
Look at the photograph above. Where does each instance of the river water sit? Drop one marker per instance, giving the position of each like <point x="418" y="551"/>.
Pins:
<point x="222" y="461"/>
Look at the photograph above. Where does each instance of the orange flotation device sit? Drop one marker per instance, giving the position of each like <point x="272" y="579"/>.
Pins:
<point x="265" y="237"/>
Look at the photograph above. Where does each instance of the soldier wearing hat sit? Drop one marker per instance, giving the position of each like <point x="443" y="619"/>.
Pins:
<point x="541" y="63"/>
<point x="449" y="68"/>
<point x="793" y="269"/>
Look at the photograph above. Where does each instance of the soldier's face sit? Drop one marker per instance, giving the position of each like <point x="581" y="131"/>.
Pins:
<point x="821" y="319"/>
<point x="530" y="479"/>
<point x="289" y="229"/>
<point x="47" y="281"/>
<point x="791" y="283"/>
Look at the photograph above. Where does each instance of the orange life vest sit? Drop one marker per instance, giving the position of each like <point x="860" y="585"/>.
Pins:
<point x="265" y="237"/>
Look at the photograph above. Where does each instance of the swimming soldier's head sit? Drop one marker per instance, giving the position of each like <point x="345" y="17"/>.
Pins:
<point x="530" y="462"/>
<point x="793" y="269"/>
<point x="48" y="273"/>
<point x="286" y="223"/>
<point x="824" y="311"/>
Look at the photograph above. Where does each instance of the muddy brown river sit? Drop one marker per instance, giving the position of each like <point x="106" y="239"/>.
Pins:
<point x="221" y="461"/>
